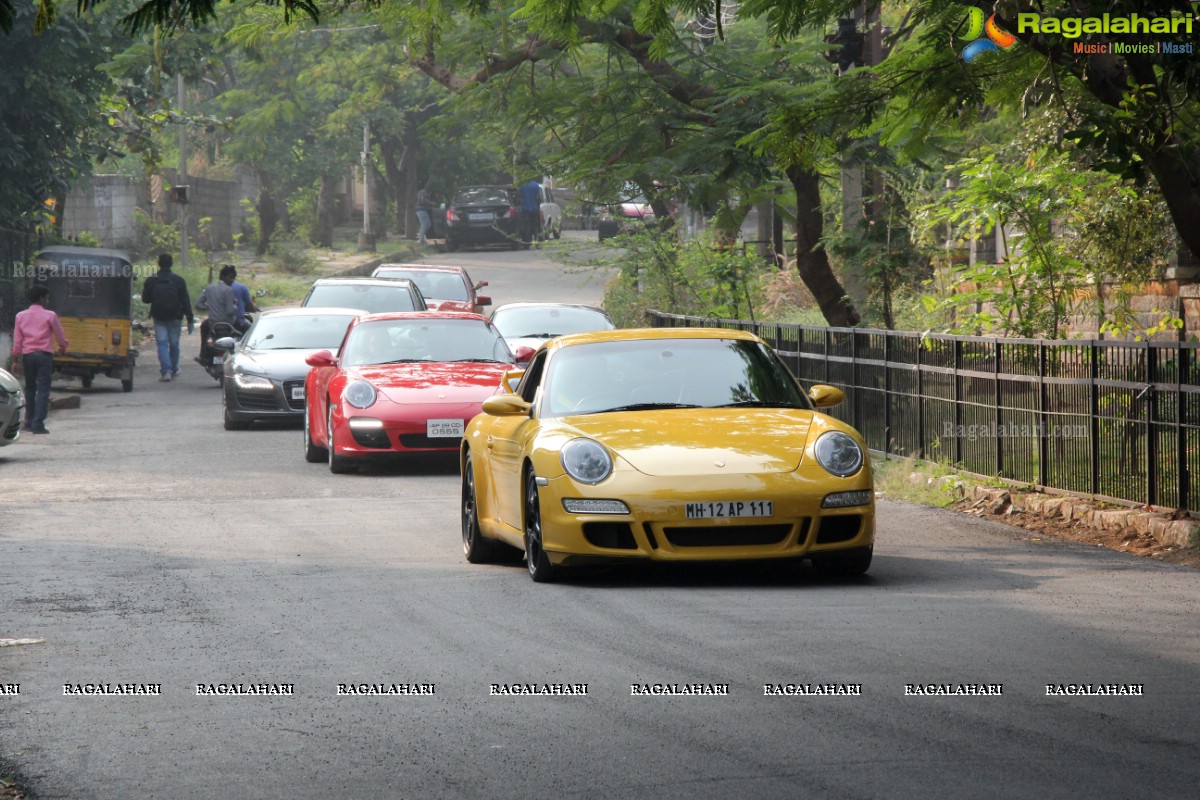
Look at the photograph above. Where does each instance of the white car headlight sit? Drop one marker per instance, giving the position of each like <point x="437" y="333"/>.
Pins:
<point x="586" y="460"/>
<point x="838" y="453"/>
<point x="359" y="394"/>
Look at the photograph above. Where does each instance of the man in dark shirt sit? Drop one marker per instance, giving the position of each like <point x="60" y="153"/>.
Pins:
<point x="529" y="212"/>
<point x="167" y="295"/>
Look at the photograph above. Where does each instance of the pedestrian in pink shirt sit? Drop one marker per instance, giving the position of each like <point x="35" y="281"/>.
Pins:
<point x="36" y="330"/>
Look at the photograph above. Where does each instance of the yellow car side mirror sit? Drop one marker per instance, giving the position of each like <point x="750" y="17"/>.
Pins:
<point x="505" y="405"/>
<point x="825" y="396"/>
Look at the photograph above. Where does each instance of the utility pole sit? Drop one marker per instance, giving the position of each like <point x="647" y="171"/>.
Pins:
<point x="366" y="242"/>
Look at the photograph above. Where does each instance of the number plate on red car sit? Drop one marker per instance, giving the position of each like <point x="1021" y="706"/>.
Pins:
<point x="730" y="509"/>
<point x="438" y="428"/>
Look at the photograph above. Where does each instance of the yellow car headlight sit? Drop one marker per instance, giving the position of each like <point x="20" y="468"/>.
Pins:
<point x="586" y="460"/>
<point x="838" y="454"/>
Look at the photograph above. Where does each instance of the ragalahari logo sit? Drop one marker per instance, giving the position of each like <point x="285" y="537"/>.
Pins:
<point x="997" y="38"/>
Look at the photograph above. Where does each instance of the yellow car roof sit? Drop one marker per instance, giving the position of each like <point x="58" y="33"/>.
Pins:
<point x="628" y="334"/>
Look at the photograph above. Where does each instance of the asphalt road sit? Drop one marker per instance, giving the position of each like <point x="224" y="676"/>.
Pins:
<point x="147" y="545"/>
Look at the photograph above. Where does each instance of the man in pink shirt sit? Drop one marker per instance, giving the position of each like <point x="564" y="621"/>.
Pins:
<point x="33" y="333"/>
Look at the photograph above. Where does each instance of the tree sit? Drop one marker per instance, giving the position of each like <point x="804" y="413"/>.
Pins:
<point x="52" y="121"/>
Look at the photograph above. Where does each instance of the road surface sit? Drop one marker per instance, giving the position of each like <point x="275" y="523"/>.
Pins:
<point x="148" y="546"/>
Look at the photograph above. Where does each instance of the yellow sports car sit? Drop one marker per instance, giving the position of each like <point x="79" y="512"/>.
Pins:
<point x="666" y="444"/>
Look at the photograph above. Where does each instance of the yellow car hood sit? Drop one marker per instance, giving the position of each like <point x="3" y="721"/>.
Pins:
<point x="716" y="441"/>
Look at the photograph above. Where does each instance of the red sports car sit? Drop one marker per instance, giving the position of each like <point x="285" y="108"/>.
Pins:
<point x="445" y="288"/>
<point x="403" y="382"/>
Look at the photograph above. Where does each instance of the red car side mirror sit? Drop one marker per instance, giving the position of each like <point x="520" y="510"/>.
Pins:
<point x="524" y="354"/>
<point x="482" y="300"/>
<point x="321" y="358"/>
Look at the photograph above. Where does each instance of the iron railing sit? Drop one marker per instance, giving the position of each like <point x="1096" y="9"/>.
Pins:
<point x="1111" y="419"/>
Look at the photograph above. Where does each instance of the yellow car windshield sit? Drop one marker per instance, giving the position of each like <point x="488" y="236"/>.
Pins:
<point x="647" y="374"/>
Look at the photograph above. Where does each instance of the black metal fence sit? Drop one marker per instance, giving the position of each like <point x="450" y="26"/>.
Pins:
<point x="1117" y="420"/>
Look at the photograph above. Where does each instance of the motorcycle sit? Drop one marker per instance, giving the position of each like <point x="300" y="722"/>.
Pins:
<point x="212" y="355"/>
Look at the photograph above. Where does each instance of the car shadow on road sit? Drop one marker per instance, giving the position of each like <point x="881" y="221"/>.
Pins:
<point x="888" y="573"/>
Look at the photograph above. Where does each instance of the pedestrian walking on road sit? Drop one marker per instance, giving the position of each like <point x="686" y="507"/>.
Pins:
<point x="167" y="295"/>
<point x="423" y="209"/>
<point x="35" y="331"/>
<point x="529" y="211"/>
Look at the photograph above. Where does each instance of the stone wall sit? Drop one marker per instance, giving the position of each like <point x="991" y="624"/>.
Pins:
<point x="104" y="207"/>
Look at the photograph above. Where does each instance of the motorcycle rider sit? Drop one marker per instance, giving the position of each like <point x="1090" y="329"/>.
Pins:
<point x="219" y="301"/>
<point x="243" y="299"/>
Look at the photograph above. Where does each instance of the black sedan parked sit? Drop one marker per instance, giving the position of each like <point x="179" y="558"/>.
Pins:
<point x="480" y="215"/>
<point x="265" y="370"/>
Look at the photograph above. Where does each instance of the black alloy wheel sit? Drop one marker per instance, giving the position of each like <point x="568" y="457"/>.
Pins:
<point x="312" y="453"/>
<point x="338" y="465"/>
<point x="540" y="568"/>
<point x="477" y="549"/>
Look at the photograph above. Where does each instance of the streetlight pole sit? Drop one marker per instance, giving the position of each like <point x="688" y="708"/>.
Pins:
<point x="365" y="240"/>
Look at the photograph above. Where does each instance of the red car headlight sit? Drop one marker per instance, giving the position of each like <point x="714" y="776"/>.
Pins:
<point x="360" y="394"/>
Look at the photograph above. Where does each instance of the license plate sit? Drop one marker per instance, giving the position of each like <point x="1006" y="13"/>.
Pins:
<point x="730" y="509"/>
<point x="444" y="428"/>
<point x="218" y="359"/>
<point x="479" y="217"/>
<point x="297" y="392"/>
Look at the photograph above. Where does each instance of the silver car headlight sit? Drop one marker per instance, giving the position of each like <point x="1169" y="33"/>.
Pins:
<point x="359" y="394"/>
<point x="586" y="460"/>
<point x="838" y="454"/>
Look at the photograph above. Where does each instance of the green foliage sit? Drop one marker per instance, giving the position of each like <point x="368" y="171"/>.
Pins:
<point x="302" y="214"/>
<point x="698" y="277"/>
<point x="293" y="260"/>
<point x="154" y="237"/>
<point x="50" y="98"/>
<point x="1032" y="288"/>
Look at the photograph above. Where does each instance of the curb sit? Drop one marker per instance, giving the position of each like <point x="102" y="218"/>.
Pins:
<point x="1168" y="529"/>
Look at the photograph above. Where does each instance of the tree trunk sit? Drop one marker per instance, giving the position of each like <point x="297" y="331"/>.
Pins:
<point x="268" y="218"/>
<point x="395" y="180"/>
<point x="811" y="260"/>
<point x="323" y="234"/>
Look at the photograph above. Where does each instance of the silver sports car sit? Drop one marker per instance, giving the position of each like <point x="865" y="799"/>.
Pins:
<point x="12" y="408"/>
<point x="265" y="370"/>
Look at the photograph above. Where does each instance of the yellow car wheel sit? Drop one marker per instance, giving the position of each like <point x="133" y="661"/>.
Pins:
<point x="477" y="549"/>
<point x="540" y="568"/>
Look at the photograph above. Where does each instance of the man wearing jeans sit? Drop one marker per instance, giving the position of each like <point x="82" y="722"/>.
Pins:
<point x="167" y="295"/>
<point x="33" y="333"/>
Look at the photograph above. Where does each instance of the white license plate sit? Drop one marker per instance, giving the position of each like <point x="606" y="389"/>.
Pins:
<point x="730" y="509"/>
<point x="480" y="217"/>
<point x="218" y="359"/>
<point x="297" y="392"/>
<point x="444" y="428"/>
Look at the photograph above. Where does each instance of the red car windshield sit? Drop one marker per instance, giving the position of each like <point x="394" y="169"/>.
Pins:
<point x="429" y="339"/>
<point x="434" y="284"/>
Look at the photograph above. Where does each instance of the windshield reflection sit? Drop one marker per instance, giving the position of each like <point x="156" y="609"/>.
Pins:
<point x="668" y="373"/>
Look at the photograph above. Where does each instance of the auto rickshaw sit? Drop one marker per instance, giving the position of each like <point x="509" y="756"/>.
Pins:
<point x="91" y="290"/>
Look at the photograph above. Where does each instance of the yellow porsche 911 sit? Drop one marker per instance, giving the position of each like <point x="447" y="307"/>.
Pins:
<point x="665" y="444"/>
